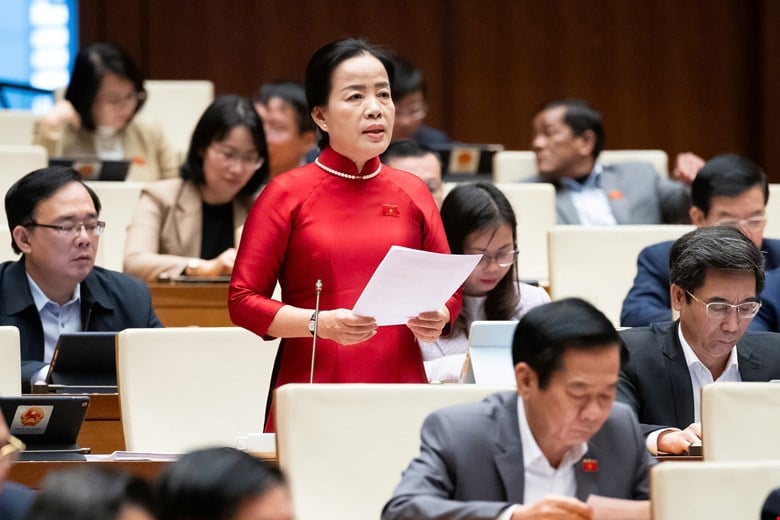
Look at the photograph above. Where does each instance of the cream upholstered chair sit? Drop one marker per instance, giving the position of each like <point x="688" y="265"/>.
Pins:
<point x="516" y="165"/>
<point x="16" y="161"/>
<point x="695" y="490"/>
<point x="599" y="263"/>
<point x="177" y="105"/>
<point x="189" y="387"/>
<point x="118" y="201"/>
<point x="16" y="127"/>
<point x="534" y="207"/>
<point x="343" y="446"/>
<point x="740" y="421"/>
<point x="772" y="229"/>
<point x="10" y="362"/>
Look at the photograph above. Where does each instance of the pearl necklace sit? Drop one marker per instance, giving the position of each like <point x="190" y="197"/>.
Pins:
<point x="346" y="175"/>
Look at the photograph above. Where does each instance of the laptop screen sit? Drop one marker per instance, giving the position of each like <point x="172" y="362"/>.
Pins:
<point x="94" y="168"/>
<point x="49" y="421"/>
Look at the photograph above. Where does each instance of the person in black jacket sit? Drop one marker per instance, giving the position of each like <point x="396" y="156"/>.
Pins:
<point x="55" y="287"/>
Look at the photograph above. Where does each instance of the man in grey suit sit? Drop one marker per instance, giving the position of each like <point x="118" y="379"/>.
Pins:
<point x="716" y="276"/>
<point x="558" y="445"/>
<point x="568" y="137"/>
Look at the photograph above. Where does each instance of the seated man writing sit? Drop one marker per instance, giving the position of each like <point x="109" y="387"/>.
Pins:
<point x="559" y="445"/>
<point x="54" y="287"/>
<point x="716" y="276"/>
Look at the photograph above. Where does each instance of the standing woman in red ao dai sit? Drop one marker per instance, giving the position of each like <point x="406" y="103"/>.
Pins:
<point x="334" y="220"/>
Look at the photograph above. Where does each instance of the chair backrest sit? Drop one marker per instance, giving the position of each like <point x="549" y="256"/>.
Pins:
<point x="343" y="447"/>
<point x="534" y="207"/>
<point x="177" y="105"/>
<point x="740" y="421"/>
<point x="16" y="127"/>
<point x="711" y="490"/>
<point x="772" y="229"/>
<point x="10" y="361"/>
<point x="16" y="161"/>
<point x="516" y="165"/>
<point x="118" y="200"/>
<point x="190" y="387"/>
<point x="599" y="263"/>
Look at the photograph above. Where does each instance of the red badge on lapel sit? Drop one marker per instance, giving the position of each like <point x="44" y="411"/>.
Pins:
<point x="390" y="210"/>
<point x="590" y="465"/>
<point x="139" y="160"/>
<point x="615" y="195"/>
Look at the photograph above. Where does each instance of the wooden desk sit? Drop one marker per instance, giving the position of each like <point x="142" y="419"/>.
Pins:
<point x="182" y="305"/>
<point x="31" y="474"/>
<point x="102" y="427"/>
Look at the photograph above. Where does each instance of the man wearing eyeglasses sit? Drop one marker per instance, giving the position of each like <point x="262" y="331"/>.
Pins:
<point x="54" y="287"/>
<point x="15" y="500"/>
<point x="728" y="190"/>
<point x="716" y="276"/>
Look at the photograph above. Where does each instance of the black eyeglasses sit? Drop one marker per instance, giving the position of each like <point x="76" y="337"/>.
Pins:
<point x="71" y="229"/>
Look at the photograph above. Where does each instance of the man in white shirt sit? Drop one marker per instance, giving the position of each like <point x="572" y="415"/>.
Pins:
<point x="568" y="136"/>
<point x="557" y="445"/>
<point x="716" y="275"/>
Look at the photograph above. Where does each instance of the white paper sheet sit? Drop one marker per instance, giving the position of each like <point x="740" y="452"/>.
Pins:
<point x="409" y="281"/>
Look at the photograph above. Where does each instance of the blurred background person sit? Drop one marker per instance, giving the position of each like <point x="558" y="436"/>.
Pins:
<point x="410" y="106"/>
<point x="15" y="499"/>
<point x="93" y="494"/>
<point x="478" y="219"/>
<point x="223" y="484"/>
<point x="188" y="225"/>
<point x="289" y="130"/>
<point x="426" y="164"/>
<point x="97" y="117"/>
<point x="334" y="220"/>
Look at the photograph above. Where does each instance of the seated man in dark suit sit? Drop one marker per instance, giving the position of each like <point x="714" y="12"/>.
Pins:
<point x="729" y="190"/>
<point x="716" y="274"/>
<point x="15" y="500"/>
<point x="552" y="445"/>
<point x="408" y="90"/>
<point x="54" y="287"/>
<point x="568" y="138"/>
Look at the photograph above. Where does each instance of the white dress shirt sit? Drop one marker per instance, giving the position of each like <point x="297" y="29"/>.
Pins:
<point x="590" y="200"/>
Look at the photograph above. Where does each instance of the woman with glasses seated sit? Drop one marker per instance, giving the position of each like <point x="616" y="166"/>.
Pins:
<point x="97" y="117"/>
<point x="478" y="219"/>
<point x="187" y="226"/>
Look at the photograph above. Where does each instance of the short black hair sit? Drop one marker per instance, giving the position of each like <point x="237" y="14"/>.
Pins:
<point x="726" y="175"/>
<point x="90" y="66"/>
<point x="580" y="117"/>
<point x="212" y="483"/>
<point x="716" y="247"/>
<point x="408" y="79"/>
<point x="89" y="493"/>
<point x="406" y="148"/>
<point x="293" y="94"/>
<point x="544" y="334"/>
<point x="319" y="71"/>
<point x="221" y="116"/>
<point x="23" y="197"/>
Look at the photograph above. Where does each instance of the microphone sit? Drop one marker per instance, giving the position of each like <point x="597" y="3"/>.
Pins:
<point x="318" y="290"/>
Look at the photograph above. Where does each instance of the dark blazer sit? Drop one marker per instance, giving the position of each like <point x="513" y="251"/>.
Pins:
<point x="15" y="501"/>
<point x="427" y="136"/>
<point x="648" y="301"/>
<point x="110" y="301"/>
<point x="768" y="317"/>
<point x="471" y="463"/>
<point x="637" y="194"/>
<point x="656" y="383"/>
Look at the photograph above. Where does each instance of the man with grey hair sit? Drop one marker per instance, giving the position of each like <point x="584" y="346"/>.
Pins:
<point x="716" y="274"/>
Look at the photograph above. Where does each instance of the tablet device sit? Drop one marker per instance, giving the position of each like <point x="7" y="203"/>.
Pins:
<point x="84" y="361"/>
<point x="463" y="162"/>
<point x="490" y="353"/>
<point x="47" y="424"/>
<point x="94" y="168"/>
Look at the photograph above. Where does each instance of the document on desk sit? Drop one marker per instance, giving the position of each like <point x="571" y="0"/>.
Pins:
<point x="409" y="281"/>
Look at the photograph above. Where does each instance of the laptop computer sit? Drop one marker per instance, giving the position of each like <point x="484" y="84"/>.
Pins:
<point x="489" y="361"/>
<point x="465" y="162"/>
<point x="94" y="168"/>
<point x="47" y="424"/>
<point x="84" y="361"/>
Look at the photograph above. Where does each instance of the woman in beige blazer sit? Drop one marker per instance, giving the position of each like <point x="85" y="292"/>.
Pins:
<point x="97" y="117"/>
<point x="187" y="225"/>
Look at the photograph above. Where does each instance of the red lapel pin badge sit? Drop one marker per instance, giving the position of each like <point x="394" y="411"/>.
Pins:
<point x="590" y="465"/>
<point x="615" y="195"/>
<point x="390" y="210"/>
